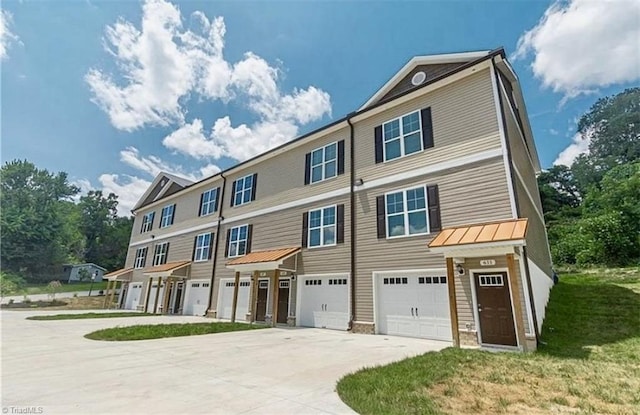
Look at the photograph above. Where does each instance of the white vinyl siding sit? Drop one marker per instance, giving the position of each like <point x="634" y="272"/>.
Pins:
<point x="160" y="254"/>
<point x="203" y="246"/>
<point x="209" y="199"/>
<point x="406" y="212"/>
<point x="238" y="241"/>
<point x="402" y="136"/>
<point x="324" y="163"/>
<point x="243" y="190"/>
<point x="322" y="227"/>
<point x="166" y="218"/>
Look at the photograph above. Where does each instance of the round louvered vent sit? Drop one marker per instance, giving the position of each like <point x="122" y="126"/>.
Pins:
<point x="418" y="78"/>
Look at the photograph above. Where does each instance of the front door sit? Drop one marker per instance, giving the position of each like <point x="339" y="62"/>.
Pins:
<point x="176" y="303"/>
<point x="283" y="302"/>
<point x="494" y="308"/>
<point x="261" y="304"/>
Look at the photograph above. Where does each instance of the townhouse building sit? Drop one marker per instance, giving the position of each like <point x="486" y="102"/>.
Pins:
<point x="416" y="215"/>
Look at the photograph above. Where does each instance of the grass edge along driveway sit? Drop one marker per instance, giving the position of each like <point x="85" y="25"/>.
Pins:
<point x="159" y="331"/>
<point x="590" y="363"/>
<point x="83" y="316"/>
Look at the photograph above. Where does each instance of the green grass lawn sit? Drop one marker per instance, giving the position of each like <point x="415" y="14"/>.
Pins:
<point x="590" y="363"/>
<point x="158" y="331"/>
<point x="89" y="315"/>
<point x="31" y="289"/>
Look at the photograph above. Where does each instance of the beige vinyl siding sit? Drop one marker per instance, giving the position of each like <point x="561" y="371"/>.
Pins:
<point x="537" y="244"/>
<point x="284" y="229"/>
<point x="464" y="123"/>
<point x="473" y="194"/>
<point x="464" y="299"/>
<point x="281" y="178"/>
<point x="186" y="214"/>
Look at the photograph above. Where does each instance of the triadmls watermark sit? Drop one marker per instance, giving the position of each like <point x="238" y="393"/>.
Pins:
<point x="22" y="410"/>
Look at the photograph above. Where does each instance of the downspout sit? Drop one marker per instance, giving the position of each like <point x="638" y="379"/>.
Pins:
<point x="352" y="213"/>
<point x="215" y="248"/>
<point x="523" y="256"/>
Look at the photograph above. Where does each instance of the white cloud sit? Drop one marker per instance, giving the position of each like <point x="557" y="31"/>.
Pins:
<point x="579" y="145"/>
<point x="190" y="140"/>
<point x="128" y="188"/>
<point x="581" y="45"/>
<point x="209" y="170"/>
<point x="6" y="35"/>
<point x="84" y="185"/>
<point x="153" y="165"/>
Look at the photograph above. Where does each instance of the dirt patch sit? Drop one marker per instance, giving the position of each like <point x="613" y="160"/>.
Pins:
<point x="74" y="303"/>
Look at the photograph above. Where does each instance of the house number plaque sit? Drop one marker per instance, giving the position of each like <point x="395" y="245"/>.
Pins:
<point x="487" y="262"/>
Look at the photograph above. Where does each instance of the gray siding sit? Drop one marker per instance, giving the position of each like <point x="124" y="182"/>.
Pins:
<point x="432" y="71"/>
<point x="474" y="194"/>
<point x="464" y="123"/>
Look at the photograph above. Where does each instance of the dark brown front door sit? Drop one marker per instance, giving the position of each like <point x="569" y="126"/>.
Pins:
<point x="494" y="308"/>
<point x="261" y="304"/>
<point x="283" y="301"/>
<point x="177" y="302"/>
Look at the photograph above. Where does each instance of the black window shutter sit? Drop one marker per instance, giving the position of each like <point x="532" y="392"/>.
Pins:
<point x="307" y="168"/>
<point x="340" y="224"/>
<point x="173" y="213"/>
<point x="305" y="229"/>
<point x="249" y="235"/>
<point x="144" y="257"/>
<point x="254" y="183"/>
<point x="166" y="256"/>
<point x="341" y="157"/>
<point x="382" y="219"/>
<point x="213" y="235"/>
<point x="233" y="193"/>
<point x="200" y="209"/>
<point x="435" y="224"/>
<point x="195" y="244"/>
<point x="378" y="142"/>
<point x="226" y="245"/>
<point x="215" y="204"/>
<point x="427" y="128"/>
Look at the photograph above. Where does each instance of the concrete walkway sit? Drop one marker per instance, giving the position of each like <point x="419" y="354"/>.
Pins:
<point x="49" y="364"/>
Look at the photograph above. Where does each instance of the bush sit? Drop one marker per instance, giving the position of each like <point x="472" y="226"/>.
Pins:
<point x="10" y="284"/>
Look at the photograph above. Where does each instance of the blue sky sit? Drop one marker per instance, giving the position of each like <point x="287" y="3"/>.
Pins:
<point x="114" y="91"/>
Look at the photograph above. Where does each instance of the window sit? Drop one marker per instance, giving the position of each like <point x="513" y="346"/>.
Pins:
<point x="141" y="258"/>
<point x="147" y="222"/>
<point x="160" y="254"/>
<point x="324" y="163"/>
<point x="238" y="237"/>
<point x="402" y="136"/>
<point x="407" y="213"/>
<point x="166" y="219"/>
<point x="209" y="202"/>
<point x="338" y="281"/>
<point x="313" y="282"/>
<point x="284" y="284"/>
<point x="432" y="280"/>
<point x="203" y="247"/>
<point x="395" y="280"/>
<point x="322" y="227"/>
<point x="491" y="280"/>
<point x="243" y="189"/>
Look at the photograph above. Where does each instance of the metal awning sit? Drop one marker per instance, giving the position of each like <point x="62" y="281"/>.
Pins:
<point x="123" y="274"/>
<point x="266" y="260"/>
<point x="495" y="237"/>
<point x="170" y="269"/>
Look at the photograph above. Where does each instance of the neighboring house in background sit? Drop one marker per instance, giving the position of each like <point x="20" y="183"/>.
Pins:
<point x="417" y="215"/>
<point x="73" y="272"/>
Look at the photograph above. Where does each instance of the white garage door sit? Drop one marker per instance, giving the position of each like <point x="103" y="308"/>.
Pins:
<point x="324" y="302"/>
<point x="152" y="298"/>
<point x="197" y="298"/>
<point x="413" y="306"/>
<point x="133" y="296"/>
<point x="225" y="298"/>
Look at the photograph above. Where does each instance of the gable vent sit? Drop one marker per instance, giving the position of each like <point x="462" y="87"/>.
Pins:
<point x="418" y="78"/>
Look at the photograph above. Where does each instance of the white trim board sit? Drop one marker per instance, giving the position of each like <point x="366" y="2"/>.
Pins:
<point x="204" y="226"/>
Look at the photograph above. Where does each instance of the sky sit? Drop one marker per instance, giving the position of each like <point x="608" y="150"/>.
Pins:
<point x="113" y="92"/>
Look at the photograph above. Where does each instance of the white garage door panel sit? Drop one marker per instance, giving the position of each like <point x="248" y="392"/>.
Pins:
<point x="152" y="299"/>
<point x="133" y="296"/>
<point x="324" y="302"/>
<point x="225" y="298"/>
<point x="413" y="306"/>
<point x="197" y="296"/>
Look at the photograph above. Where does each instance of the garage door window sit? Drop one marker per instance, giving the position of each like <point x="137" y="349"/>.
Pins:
<point x="395" y="281"/>
<point x="432" y="280"/>
<point x="313" y="282"/>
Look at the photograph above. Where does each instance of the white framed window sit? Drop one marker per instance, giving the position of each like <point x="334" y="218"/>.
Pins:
<point x="141" y="258"/>
<point x="242" y="193"/>
<point x="166" y="219"/>
<point x="491" y="280"/>
<point x="324" y="163"/>
<point x="322" y="227"/>
<point x="402" y="136"/>
<point x="147" y="222"/>
<point x="238" y="241"/>
<point x="209" y="202"/>
<point x="406" y="212"/>
<point x="203" y="247"/>
<point x="160" y="254"/>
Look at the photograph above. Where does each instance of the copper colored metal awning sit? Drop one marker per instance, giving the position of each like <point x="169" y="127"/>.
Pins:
<point x="123" y="274"/>
<point x="504" y="233"/>
<point x="263" y="260"/>
<point x="169" y="269"/>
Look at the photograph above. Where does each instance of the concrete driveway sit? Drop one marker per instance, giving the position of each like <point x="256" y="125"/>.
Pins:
<point x="49" y="365"/>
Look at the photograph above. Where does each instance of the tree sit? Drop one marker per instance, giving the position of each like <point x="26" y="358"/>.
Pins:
<point x="31" y="219"/>
<point x="558" y="191"/>
<point x="98" y="214"/>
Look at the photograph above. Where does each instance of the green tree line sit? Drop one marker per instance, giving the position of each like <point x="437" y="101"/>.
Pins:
<point x="592" y="208"/>
<point x="43" y="227"/>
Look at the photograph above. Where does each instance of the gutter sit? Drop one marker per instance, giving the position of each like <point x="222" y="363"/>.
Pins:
<point x="523" y="257"/>
<point x="215" y="249"/>
<point x="352" y="214"/>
